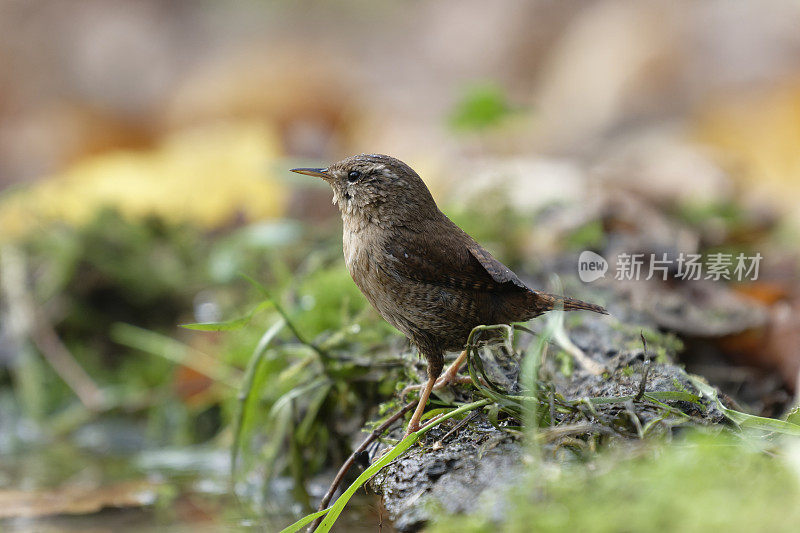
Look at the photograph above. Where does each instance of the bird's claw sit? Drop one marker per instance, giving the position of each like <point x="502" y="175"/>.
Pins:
<point x="444" y="380"/>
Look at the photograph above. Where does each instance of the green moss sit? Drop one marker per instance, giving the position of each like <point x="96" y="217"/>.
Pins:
<point x="329" y="299"/>
<point x="589" y="235"/>
<point x="703" y="483"/>
<point x="728" y="214"/>
<point x="660" y="346"/>
<point x="481" y="107"/>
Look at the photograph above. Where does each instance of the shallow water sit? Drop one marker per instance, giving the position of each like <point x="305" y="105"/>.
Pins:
<point x="107" y="481"/>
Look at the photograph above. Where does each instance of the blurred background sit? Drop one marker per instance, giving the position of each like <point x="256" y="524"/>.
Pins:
<point x="144" y="149"/>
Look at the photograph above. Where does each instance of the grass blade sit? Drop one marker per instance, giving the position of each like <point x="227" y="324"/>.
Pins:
<point x="303" y="522"/>
<point x="229" y="325"/>
<point x="173" y="350"/>
<point x="745" y="420"/>
<point x="251" y="383"/>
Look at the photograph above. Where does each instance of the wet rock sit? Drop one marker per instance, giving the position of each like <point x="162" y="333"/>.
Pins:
<point x="456" y="477"/>
<point x="470" y="469"/>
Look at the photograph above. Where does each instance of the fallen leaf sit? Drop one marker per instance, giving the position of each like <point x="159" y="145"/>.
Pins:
<point x="76" y="500"/>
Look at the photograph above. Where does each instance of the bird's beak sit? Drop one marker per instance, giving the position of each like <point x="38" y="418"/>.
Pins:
<point x="318" y="172"/>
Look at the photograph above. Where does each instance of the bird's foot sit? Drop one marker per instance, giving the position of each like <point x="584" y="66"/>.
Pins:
<point x="411" y="429"/>
<point x="448" y="376"/>
<point x="444" y="380"/>
<point x="416" y="427"/>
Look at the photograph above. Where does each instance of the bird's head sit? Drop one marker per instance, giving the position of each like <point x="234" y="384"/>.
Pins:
<point x="376" y="188"/>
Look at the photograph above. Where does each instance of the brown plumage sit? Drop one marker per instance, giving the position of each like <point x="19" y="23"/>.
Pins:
<point x="423" y="274"/>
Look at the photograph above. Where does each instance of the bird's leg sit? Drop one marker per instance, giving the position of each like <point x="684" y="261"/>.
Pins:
<point x="451" y="374"/>
<point x="423" y="400"/>
<point x="434" y="370"/>
<point x="448" y="376"/>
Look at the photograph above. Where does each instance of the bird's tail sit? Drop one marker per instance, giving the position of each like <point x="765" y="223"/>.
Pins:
<point x="548" y="302"/>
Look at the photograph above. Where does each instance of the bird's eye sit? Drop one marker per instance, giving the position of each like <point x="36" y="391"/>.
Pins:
<point x="353" y="175"/>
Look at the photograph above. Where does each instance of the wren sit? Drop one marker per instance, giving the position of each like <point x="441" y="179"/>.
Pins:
<point x="420" y="271"/>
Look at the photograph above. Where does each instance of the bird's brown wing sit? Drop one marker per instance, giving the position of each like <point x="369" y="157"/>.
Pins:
<point x="448" y="257"/>
<point x="500" y="273"/>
